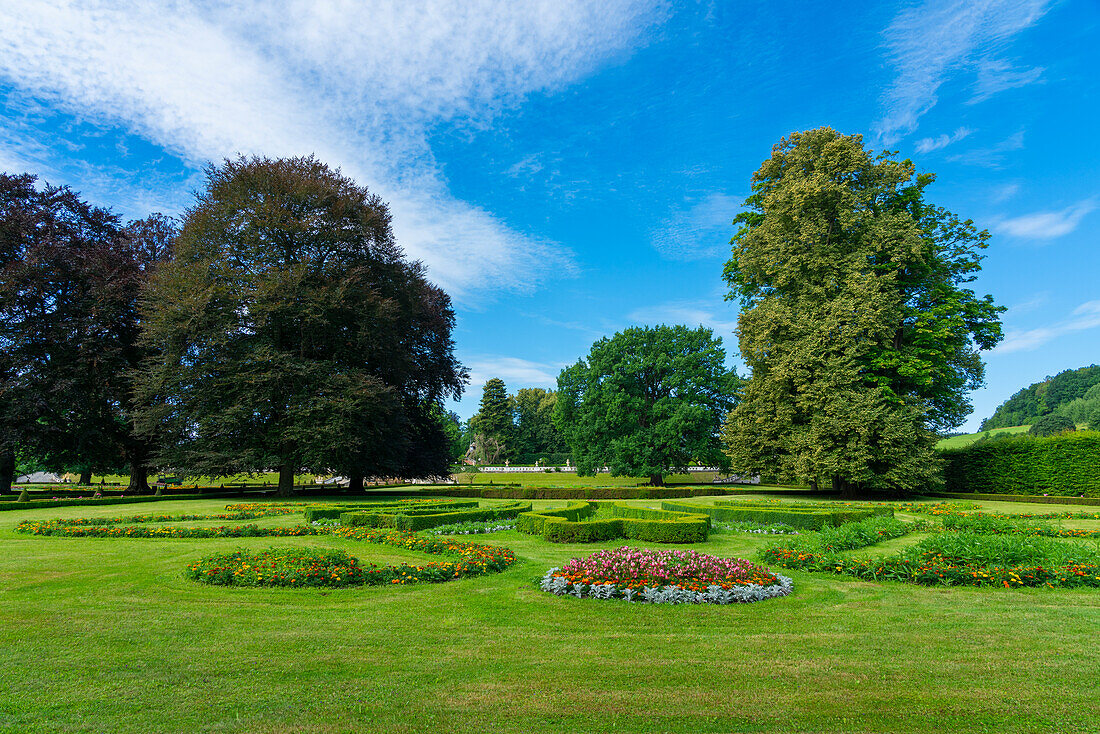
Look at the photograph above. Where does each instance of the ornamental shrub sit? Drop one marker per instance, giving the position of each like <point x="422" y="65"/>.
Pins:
<point x="805" y="517"/>
<point x="1052" y="425"/>
<point x="419" y="518"/>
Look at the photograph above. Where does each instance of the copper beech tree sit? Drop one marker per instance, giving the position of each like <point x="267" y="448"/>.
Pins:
<point x="290" y="333"/>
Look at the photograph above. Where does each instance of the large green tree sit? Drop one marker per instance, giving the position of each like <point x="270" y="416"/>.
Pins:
<point x="493" y="425"/>
<point x="647" y="402"/>
<point x="70" y="276"/>
<point x="861" y="338"/>
<point x="534" y="432"/>
<point x="291" y="333"/>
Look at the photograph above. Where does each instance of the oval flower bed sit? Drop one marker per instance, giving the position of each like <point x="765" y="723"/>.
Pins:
<point x="665" y="577"/>
<point x="305" y="567"/>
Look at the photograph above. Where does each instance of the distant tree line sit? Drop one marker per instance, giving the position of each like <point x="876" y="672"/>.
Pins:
<point x="1074" y="394"/>
<point x="516" y="428"/>
<point x="278" y="326"/>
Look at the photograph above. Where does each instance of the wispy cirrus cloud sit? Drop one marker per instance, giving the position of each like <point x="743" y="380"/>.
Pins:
<point x="992" y="156"/>
<point x="926" y="43"/>
<point x="700" y="230"/>
<point x="927" y="145"/>
<point x="360" y="84"/>
<point x="514" y="371"/>
<point x="690" y="313"/>
<point x="997" y="75"/>
<point x="1047" y="225"/>
<point x="1084" y="317"/>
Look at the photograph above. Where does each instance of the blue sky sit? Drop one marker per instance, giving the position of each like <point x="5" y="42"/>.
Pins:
<point x="568" y="169"/>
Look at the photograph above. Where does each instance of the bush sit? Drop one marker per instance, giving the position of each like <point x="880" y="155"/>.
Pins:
<point x="333" y="512"/>
<point x="806" y="517"/>
<point x="1067" y="464"/>
<point x="1052" y="425"/>
<point x="1093" y="420"/>
<point x="568" y="525"/>
<point x="418" y="518"/>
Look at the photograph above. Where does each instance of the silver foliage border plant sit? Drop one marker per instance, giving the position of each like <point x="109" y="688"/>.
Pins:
<point x="666" y="594"/>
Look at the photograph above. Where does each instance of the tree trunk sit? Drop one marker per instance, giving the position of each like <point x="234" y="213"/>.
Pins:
<point x="847" y="490"/>
<point x="657" y="480"/>
<point x="86" y="477"/>
<point x="7" y="471"/>
<point x="286" y="480"/>
<point x="139" y="471"/>
<point x="355" y="483"/>
<point x="139" y="480"/>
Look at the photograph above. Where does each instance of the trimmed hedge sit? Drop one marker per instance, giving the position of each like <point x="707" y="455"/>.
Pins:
<point x="800" y="516"/>
<point x="567" y="525"/>
<point x="333" y="512"/>
<point x="533" y="523"/>
<point x="36" y="504"/>
<point x="1039" y="499"/>
<point x="1064" y="465"/>
<point x="411" y="520"/>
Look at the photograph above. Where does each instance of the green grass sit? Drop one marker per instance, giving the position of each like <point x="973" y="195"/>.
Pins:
<point x="106" y="635"/>
<point x="570" y="479"/>
<point x="958" y="442"/>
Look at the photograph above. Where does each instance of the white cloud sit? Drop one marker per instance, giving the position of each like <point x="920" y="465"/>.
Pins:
<point x="995" y="75"/>
<point x="1086" y="316"/>
<point x="689" y="313"/>
<point x="1046" y="225"/>
<point x="927" y="42"/>
<point x="927" y="145"/>
<point x="1005" y="192"/>
<point x="515" y="372"/>
<point x="702" y="230"/>
<point x="993" y="156"/>
<point x="358" y="83"/>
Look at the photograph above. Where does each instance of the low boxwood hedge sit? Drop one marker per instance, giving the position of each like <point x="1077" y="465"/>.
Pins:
<point x="88" y="502"/>
<point x="333" y="512"/>
<point x="800" y="516"/>
<point x="422" y="518"/>
<point x="568" y="524"/>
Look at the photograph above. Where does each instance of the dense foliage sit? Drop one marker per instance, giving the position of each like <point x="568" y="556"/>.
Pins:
<point x="1064" y="464"/>
<point x="70" y="276"/>
<point x="1051" y="425"/>
<point x="1073" y="393"/>
<point x="647" y="402"/>
<point x="291" y="333"/>
<point x="860" y="335"/>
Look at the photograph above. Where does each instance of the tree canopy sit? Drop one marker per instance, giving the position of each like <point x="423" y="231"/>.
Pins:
<point x="1073" y="393"/>
<point x="290" y="332"/>
<point x="857" y="328"/>
<point x="646" y="402"/>
<point x="69" y="282"/>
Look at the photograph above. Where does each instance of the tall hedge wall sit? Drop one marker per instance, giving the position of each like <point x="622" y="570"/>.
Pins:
<point x="1066" y="465"/>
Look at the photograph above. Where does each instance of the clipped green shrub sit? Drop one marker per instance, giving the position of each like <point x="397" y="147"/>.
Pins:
<point x="333" y="512"/>
<point x="568" y="524"/>
<point x="532" y="523"/>
<point x="805" y="516"/>
<point x="421" y="518"/>
<point x="1067" y="464"/>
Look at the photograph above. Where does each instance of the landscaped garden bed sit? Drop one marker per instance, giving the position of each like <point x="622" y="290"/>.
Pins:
<point x="664" y="577"/>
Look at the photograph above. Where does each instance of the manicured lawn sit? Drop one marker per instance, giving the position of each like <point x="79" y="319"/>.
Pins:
<point x="570" y="479"/>
<point x="101" y="635"/>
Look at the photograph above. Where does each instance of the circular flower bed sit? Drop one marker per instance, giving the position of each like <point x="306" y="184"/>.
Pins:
<point x="665" y="576"/>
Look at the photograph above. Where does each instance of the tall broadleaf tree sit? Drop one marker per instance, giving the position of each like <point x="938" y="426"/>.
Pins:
<point x="860" y="334"/>
<point x="647" y="402"/>
<point x="69" y="282"/>
<point x="292" y="334"/>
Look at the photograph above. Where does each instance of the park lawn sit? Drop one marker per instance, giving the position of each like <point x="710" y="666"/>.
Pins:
<point x="958" y="442"/>
<point x="106" y="635"/>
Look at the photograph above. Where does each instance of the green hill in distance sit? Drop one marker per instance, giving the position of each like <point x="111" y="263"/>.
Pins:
<point x="1072" y="393"/>
<point x="957" y="442"/>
